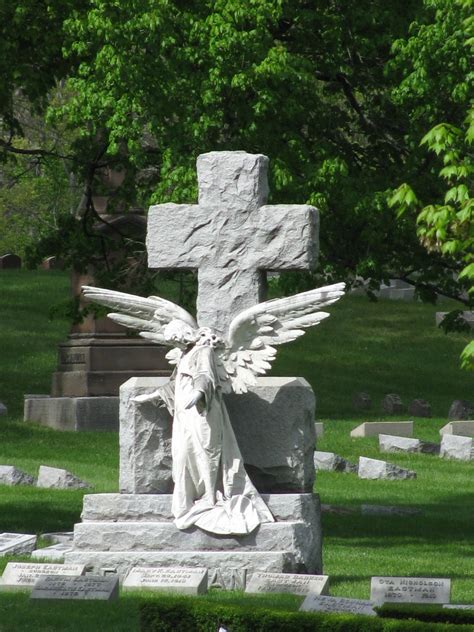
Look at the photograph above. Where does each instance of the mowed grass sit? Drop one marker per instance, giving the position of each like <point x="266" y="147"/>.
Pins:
<point x="375" y="347"/>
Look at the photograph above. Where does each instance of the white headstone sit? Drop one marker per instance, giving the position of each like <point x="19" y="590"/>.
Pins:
<point x="16" y="543"/>
<point x="288" y="583"/>
<point x="373" y="428"/>
<point x="85" y="587"/>
<point x="374" y="469"/>
<point x="456" y="447"/>
<point x="320" y="603"/>
<point x="460" y="428"/>
<point x="57" y="478"/>
<point x="319" y="428"/>
<point x="54" y="552"/>
<point x="10" y="475"/>
<point x="191" y="581"/>
<point x="23" y="575"/>
<point x="231" y="237"/>
<point x="391" y="443"/>
<point x="410" y="590"/>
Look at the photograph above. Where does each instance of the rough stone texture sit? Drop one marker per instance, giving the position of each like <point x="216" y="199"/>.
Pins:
<point x="3" y="409"/>
<point x="330" y="462"/>
<point x="374" y="469"/>
<point x="461" y="428"/>
<point x="73" y="413"/>
<point x="123" y="530"/>
<point x="461" y="410"/>
<point x="361" y="401"/>
<point x="54" y="552"/>
<point x="10" y="475"/>
<point x="455" y="447"/>
<point x="87" y="587"/>
<point x="10" y="262"/>
<point x="420" y="408"/>
<point x="319" y="429"/>
<point x="230" y="237"/>
<point x="277" y="407"/>
<point x="390" y="443"/>
<point x="373" y="428"/>
<point x="56" y="478"/>
<point x="392" y="404"/>
<point x="16" y="543"/>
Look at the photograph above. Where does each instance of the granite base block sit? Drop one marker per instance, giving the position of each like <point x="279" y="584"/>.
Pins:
<point x="73" y="413"/>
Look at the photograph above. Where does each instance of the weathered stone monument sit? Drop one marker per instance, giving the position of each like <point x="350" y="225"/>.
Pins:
<point x="232" y="237"/>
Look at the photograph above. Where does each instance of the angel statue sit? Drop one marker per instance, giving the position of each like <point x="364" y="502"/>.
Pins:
<point x="211" y="487"/>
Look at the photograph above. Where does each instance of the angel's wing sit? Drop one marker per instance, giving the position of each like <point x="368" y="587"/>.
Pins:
<point x="254" y="332"/>
<point x="148" y="316"/>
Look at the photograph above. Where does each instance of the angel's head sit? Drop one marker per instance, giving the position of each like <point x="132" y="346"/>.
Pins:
<point x="207" y="338"/>
<point x="179" y="333"/>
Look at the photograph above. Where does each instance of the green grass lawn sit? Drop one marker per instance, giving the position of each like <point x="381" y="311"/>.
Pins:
<point x="375" y="347"/>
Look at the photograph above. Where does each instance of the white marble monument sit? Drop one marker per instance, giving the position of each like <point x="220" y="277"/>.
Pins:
<point x="231" y="237"/>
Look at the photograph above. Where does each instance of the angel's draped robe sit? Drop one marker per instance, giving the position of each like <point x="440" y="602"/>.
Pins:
<point x="211" y="487"/>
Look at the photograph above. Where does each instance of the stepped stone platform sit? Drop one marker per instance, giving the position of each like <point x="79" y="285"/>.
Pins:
<point x="124" y="530"/>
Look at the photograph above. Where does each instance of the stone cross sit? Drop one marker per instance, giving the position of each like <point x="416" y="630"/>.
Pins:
<point x="231" y="236"/>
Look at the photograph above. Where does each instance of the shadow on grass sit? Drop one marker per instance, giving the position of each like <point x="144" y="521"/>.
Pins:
<point x="57" y="512"/>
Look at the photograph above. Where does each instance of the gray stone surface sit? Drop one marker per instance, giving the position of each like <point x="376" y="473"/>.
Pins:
<point x="461" y="410"/>
<point x="3" y="409"/>
<point x="189" y="581"/>
<point x="319" y="429"/>
<point x="374" y="428"/>
<point x="361" y="401"/>
<point x="375" y="469"/>
<point x="123" y="530"/>
<point x="424" y="590"/>
<point x="330" y="462"/>
<point x="73" y="413"/>
<point x="58" y="537"/>
<point x="391" y="443"/>
<point x="16" y="543"/>
<point x="55" y="552"/>
<point x="283" y="406"/>
<point x="420" y="408"/>
<point x="458" y="606"/>
<point x="23" y="575"/>
<point x="252" y="237"/>
<point x="321" y="603"/>
<point x="392" y="404"/>
<point x="10" y="475"/>
<point x="288" y="583"/>
<point x="87" y="587"/>
<point x="467" y="317"/>
<point x="57" y="478"/>
<point x="461" y="428"/>
<point x="456" y="447"/>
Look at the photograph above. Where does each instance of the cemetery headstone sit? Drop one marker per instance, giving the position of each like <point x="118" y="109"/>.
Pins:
<point x="189" y="581"/>
<point x="55" y="552"/>
<point x="374" y="469"/>
<point x="320" y="603"/>
<point x="319" y="429"/>
<point x="390" y="443"/>
<point x="3" y="409"/>
<point x="10" y="262"/>
<point x="392" y="404"/>
<point x="58" y="537"/>
<point x="461" y="410"/>
<point x="288" y="583"/>
<point x="10" y="475"/>
<point x="16" y="543"/>
<point x="455" y="447"/>
<point x="410" y="590"/>
<point x="84" y="587"/>
<point x="460" y="428"/>
<point x="466" y="316"/>
<point x="373" y="428"/>
<point x="361" y="401"/>
<point x="57" y="478"/>
<point x="330" y="462"/>
<point x="24" y="575"/>
<point x="52" y="263"/>
<point x="420" y="408"/>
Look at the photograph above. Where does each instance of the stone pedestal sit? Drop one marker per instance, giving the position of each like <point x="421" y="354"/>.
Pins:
<point x="125" y="530"/>
<point x="273" y="423"/>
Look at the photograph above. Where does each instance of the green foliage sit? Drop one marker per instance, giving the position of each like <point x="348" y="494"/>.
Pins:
<point x="426" y="613"/>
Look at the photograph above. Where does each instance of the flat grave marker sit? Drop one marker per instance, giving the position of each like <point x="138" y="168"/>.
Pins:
<point x="54" y="552"/>
<point x="82" y="587"/>
<point x="16" y="543"/>
<point x="292" y="583"/>
<point x="457" y="447"/>
<point x="410" y="590"/>
<point x="322" y="603"/>
<point x="373" y="428"/>
<point x="190" y="581"/>
<point x="24" y="575"/>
